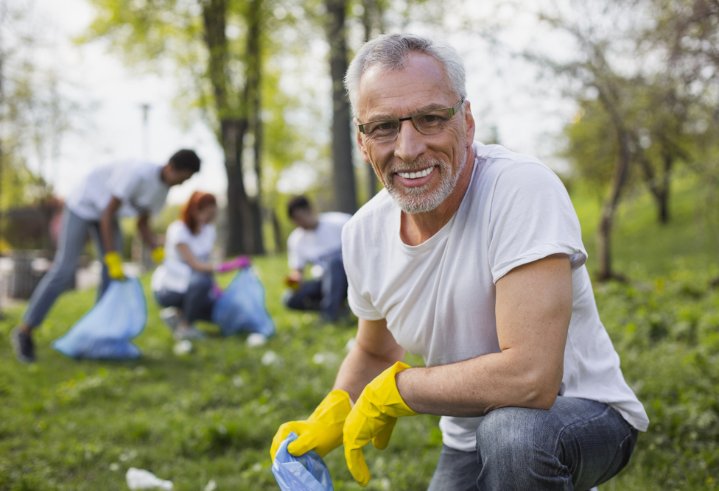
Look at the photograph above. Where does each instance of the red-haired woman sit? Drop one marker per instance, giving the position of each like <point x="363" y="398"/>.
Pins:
<point x="183" y="283"/>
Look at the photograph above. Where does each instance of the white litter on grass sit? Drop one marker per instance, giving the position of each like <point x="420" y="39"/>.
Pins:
<point x="269" y="358"/>
<point x="350" y="344"/>
<point x="143" y="479"/>
<point x="129" y="455"/>
<point x="323" y="359"/>
<point x="182" y="348"/>
<point x="211" y="486"/>
<point x="256" y="339"/>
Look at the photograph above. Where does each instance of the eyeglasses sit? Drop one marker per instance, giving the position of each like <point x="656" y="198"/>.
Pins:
<point x="429" y="123"/>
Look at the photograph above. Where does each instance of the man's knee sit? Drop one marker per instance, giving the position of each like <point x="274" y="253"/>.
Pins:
<point x="289" y="299"/>
<point x="61" y="278"/>
<point x="516" y="436"/>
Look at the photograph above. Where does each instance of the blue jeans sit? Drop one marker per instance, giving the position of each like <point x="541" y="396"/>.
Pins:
<point x="195" y="303"/>
<point x="577" y="444"/>
<point x="73" y="236"/>
<point x="326" y="294"/>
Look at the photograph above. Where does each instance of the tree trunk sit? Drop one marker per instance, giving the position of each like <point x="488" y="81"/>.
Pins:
<point x="606" y="223"/>
<point x="343" y="168"/>
<point x="237" y="118"/>
<point x="254" y="73"/>
<point x="621" y="174"/>
<point x="279" y="243"/>
<point x="659" y="189"/>
<point x="664" y="211"/>
<point x="373" y="24"/>
<point x="238" y="215"/>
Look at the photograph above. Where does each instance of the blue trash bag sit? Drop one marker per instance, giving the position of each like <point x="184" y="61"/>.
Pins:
<point x="241" y="307"/>
<point x="107" y="330"/>
<point x="307" y="472"/>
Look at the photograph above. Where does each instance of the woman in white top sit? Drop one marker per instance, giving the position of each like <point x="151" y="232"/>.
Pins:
<point x="183" y="283"/>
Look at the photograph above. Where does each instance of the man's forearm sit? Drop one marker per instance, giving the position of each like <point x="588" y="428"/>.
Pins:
<point x="358" y="369"/>
<point x="107" y="235"/>
<point x="143" y="226"/>
<point x="107" y="224"/>
<point x="476" y="386"/>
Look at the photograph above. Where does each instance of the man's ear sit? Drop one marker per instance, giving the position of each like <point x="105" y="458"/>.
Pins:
<point x="469" y="121"/>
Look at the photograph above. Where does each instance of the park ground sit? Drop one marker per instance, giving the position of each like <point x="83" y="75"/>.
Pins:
<point x="209" y="416"/>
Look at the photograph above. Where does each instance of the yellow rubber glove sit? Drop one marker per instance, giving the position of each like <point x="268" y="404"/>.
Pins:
<point x="321" y="432"/>
<point x="372" y="419"/>
<point x="158" y="254"/>
<point x="113" y="261"/>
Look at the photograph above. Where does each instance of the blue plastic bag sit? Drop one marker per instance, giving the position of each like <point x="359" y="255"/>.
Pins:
<point x="307" y="472"/>
<point x="107" y="330"/>
<point x="241" y="307"/>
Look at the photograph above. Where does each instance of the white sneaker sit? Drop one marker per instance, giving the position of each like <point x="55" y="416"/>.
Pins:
<point x="171" y="317"/>
<point x="182" y="347"/>
<point x="188" y="332"/>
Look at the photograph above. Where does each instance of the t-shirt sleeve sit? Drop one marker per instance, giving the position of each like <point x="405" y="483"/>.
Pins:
<point x="531" y="217"/>
<point x="293" y="254"/>
<point x="358" y="301"/>
<point x="174" y="234"/>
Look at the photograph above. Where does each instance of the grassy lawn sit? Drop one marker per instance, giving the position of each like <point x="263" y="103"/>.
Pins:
<point x="211" y="414"/>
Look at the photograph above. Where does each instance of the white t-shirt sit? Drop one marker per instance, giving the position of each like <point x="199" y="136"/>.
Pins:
<point x="137" y="184"/>
<point x="438" y="298"/>
<point x="174" y="273"/>
<point x="310" y="246"/>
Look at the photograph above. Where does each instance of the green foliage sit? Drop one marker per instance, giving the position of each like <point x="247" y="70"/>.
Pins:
<point x="591" y="145"/>
<point x="667" y="332"/>
<point x="689" y="241"/>
<point x="19" y="185"/>
<point x="35" y="112"/>
<point x="79" y="425"/>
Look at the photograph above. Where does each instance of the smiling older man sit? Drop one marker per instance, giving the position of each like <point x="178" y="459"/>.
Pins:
<point x="472" y="257"/>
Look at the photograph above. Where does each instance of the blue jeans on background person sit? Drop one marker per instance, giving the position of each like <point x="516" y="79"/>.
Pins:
<point x="60" y="277"/>
<point x="326" y="294"/>
<point x="195" y="303"/>
<point x="575" y="445"/>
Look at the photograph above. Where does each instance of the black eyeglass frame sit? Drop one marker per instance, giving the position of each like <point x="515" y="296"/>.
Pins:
<point x="451" y="111"/>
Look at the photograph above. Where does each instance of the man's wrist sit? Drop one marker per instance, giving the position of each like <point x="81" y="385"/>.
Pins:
<point x="403" y="382"/>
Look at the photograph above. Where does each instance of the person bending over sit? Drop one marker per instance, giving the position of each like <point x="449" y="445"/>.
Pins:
<point x="110" y="191"/>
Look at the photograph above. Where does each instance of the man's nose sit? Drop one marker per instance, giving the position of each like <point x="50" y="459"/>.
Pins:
<point x="410" y="143"/>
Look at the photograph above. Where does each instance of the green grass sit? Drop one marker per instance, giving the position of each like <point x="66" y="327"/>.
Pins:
<point x="210" y="415"/>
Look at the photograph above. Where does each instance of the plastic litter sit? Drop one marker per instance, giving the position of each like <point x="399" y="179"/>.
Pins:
<point x="106" y="331"/>
<point x="182" y="348"/>
<point x="142" y="479"/>
<point x="269" y="358"/>
<point x="241" y="307"/>
<point x="307" y="472"/>
<point x="256" y="339"/>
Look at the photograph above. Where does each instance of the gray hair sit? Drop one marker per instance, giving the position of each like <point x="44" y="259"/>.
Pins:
<point x="391" y="50"/>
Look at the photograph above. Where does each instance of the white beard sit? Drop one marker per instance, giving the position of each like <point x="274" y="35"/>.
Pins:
<point x="421" y="200"/>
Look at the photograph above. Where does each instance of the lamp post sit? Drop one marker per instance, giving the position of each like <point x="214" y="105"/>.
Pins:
<point x="146" y="262"/>
<point x="145" y="108"/>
